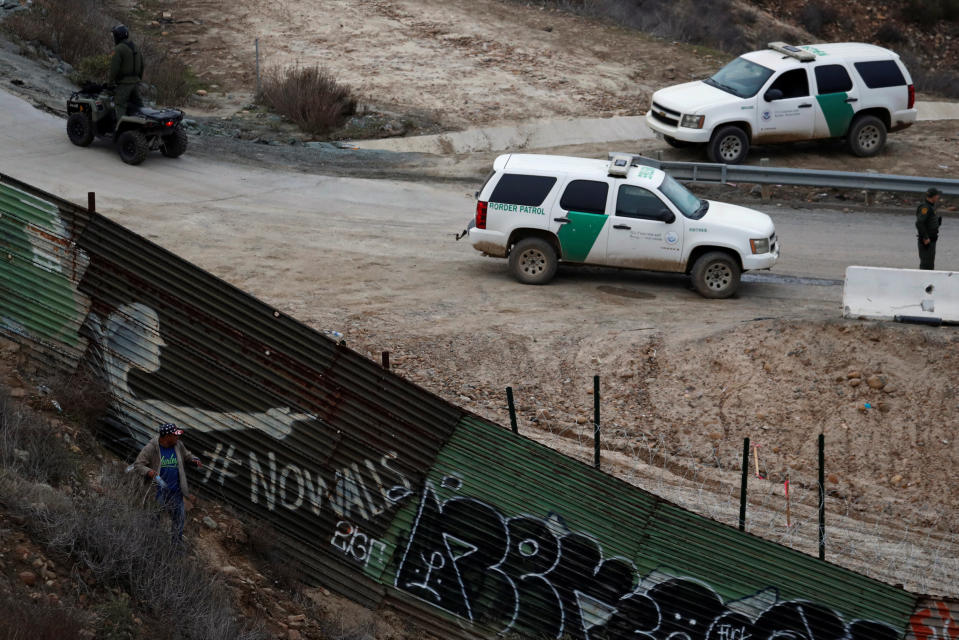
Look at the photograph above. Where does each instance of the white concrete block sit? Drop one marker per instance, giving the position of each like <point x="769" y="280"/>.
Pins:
<point x="884" y="294"/>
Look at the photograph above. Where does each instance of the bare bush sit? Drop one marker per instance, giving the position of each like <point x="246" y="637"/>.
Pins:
<point x="24" y="619"/>
<point x="170" y="79"/>
<point x="944" y="82"/>
<point x="714" y="24"/>
<point x="815" y="16"/>
<point x="309" y="96"/>
<point x="72" y="29"/>
<point x="928" y="12"/>
<point x="83" y="396"/>
<point x="123" y="544"/>
<point x="889" y="33"/>
<point x="29" y="446"/>
<point x="273" y="555"/>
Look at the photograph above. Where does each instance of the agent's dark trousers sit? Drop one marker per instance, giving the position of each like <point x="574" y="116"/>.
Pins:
<point x="927" y="255"/>
<point x="125" y="97"/>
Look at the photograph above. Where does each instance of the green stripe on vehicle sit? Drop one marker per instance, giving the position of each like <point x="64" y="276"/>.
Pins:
<point x="578" y="236"/>
<point x="838" y="112"/>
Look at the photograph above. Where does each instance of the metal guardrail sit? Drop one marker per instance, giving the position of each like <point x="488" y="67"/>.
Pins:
<point x="724" y="173"/>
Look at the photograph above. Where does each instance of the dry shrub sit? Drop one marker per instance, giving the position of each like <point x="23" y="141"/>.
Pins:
<point x="123" y="544"/>
<point x="816" y="15"/>
<point x="714" y="23"/>
<point x="84" y="398"/>
<point x="928" y="12"/>
<point x="309" y="96"/>
<point x="25" y="619"/>
<point x="72" y="29"/>
<point x="29" y="445"/>
<point x="170" y="79"/>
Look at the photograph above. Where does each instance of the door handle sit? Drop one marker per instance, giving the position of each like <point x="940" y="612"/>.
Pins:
<point x="561" y="219"/>
<point x="805" y="105"/>
<point x="852" y="99"/>
<point x="621" y="226"/>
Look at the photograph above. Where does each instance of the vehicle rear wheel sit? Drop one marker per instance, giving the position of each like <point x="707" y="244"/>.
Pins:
<point x="678" y="144"/>
<point x="174" y="145"/>
<point x="867" y="136"/>
<point x="716" y="275"/>
<point x="80" y="129"/>
<point x="728" y="145"/>
<point x="133" y="146"/>
<point x="533" y="261"/>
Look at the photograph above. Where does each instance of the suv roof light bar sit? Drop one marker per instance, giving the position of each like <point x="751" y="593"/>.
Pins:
<point x="792" y="51"/>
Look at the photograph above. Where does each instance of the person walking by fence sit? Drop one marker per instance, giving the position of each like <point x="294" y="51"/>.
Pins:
<point x="162" y="460"/>
<point x="927" y="227"/>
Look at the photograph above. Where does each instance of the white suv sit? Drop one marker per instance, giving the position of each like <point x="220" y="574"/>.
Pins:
<point x="786" y="93"/>
<point x="539" y="210"/>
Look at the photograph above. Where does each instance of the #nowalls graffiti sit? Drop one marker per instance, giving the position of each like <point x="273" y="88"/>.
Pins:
<point x="532" y="576"/>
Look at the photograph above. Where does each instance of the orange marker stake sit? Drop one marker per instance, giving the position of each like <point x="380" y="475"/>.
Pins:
<point x="756" y="460"/>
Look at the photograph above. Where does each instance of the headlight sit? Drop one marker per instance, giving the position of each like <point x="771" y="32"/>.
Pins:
<point x="759" y="245"/>
<point x="693" y="122"/>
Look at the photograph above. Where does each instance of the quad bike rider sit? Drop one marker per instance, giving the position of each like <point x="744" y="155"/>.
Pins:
<point x="94" y="112"/>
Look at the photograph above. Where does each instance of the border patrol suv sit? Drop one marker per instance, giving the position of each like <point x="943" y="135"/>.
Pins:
<point x="539" y="210"/>
<point x="785" y="93"/>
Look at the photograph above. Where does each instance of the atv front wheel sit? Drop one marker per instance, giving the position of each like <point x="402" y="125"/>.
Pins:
<point x="174" y="145"/>
<point x="133" y="146"/>
<point x="80" y="129"/>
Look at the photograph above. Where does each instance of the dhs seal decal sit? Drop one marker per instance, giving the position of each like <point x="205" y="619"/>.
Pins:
<point x="672" y="237"/>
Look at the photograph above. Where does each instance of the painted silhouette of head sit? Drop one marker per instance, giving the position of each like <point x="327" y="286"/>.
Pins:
<point x="132" y="334"/>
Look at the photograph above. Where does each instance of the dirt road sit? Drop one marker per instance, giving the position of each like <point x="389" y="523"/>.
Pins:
<point x="684" y="379"/>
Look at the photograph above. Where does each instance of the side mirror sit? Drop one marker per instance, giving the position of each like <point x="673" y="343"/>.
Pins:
<point x="773" y="94"/>
<point x="667" y="216"/>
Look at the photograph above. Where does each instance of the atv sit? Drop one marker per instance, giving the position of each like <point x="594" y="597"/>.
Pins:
<point x="91" y="114"/>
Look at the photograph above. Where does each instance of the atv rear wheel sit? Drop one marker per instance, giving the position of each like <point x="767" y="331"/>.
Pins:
<point x="80" y="129"/>
<point x="133" y="146"/>
<point x="174" y="145"/>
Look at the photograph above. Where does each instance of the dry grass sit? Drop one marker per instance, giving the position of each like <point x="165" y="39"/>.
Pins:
<point x="24" y="619"/>
<point x="29" y="446"/>
<point x="309" y="96"/>
<point x="78" y="31"/>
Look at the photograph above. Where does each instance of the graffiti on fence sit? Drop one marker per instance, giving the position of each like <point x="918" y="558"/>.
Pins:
<point x="935" y="621"/>
<point x="532" y="576"/>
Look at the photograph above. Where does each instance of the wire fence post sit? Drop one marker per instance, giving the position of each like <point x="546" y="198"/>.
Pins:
<point x="822" y="497"/>
<point x="596" y="421"/>
<point x="512" y="409"/>
<point x="256" y="45"/>
<point x="742" y="486"/>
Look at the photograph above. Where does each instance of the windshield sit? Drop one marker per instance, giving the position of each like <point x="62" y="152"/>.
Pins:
<point x="741" y="78"/>
<point x="690" y="206"/>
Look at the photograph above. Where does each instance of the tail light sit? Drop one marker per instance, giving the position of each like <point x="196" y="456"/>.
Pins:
<point x="912" y="96"/>
<point x="480" y="214"/>
<point x="169" y="123"/>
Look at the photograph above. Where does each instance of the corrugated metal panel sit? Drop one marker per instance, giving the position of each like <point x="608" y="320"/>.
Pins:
<point x="517" y="538"/>
<point x="39" y="271"/>
<point x="295" y="429"/>
<point x="388" y="493"/>
<point x="935" y="619"/>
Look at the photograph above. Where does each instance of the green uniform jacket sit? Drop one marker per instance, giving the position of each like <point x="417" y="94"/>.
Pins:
<point x="927" y="222"/>
<point x="126" y="64"/>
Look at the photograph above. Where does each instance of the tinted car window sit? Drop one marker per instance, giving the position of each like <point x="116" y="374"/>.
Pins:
<point x="516" y="188"/>
<point x="740" y="77"/>
<point x="636" y="202"/>
<point x="793" y="84"/>
<point x="832" y="78"/>
<point x="880" y="73"/>
<point x="586" y="196"/>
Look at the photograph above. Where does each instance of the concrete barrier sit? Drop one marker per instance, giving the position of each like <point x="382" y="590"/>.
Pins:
<point x="908" y="294"/>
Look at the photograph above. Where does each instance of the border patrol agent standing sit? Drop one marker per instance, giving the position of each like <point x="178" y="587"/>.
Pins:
<point x="126" y="71"/>
<point x="927" y="226"/>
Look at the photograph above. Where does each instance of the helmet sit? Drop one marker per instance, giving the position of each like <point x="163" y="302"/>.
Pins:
<point x="120" y="33"/>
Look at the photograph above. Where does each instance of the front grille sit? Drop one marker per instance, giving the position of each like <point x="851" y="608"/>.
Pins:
<point x="666" y="116"/>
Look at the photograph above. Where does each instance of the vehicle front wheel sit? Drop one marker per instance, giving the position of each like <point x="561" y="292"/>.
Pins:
<point x="80" y="129"/>
<point x="729" y="145"/>
<point x="867" y="136"/>
<point x="716" y="275"/>
<point x="533" y="261"/>
<point x="677" y="144"/>
<point x="133" y="146"/>
<point x="174" y="145"/>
